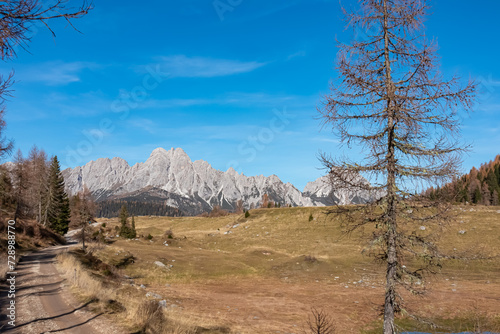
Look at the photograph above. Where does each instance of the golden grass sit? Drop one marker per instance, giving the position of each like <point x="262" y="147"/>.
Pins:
<point x="79" y="277"/>
<point x="253" y="275"/>
<point x="128" y="304"/>
<point x="4" y="267"/>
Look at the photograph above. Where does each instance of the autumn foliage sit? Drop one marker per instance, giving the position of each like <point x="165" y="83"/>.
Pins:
<point x="480" y="186"/>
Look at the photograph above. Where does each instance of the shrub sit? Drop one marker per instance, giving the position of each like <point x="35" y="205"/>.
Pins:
<point x="320" y="323"/>
<point x="247" y="213"/>
<point x="103" y="225"/>
<point x="149" y="237"/>
<point x="217" y="211"/>
<point x="311" y="217"/>
<point x="127" y="232"/>
<point x="169" y="234"/>
<point x="151" y="318"/>
<point x="310" y="258"/>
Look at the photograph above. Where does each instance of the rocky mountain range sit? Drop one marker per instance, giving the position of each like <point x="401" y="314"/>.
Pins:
<point x="171" y="178"/>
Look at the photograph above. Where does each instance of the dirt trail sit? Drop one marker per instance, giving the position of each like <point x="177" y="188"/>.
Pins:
<point x="43" y="303"/>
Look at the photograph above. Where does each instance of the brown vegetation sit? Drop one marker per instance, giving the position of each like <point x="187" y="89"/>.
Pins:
<point x="256" y="282"/>
<point x="392" y="103"/>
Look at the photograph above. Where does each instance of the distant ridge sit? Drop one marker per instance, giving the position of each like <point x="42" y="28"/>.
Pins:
<point x="171" y="178"/>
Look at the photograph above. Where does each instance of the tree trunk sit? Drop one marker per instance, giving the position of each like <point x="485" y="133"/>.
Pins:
<point x="83" y="237"/>
<point x="390" y="291"/>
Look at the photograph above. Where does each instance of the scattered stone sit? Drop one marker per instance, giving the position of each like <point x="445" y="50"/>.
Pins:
<point x="160" y="264"/>
<point x="142" y="286"/>
<point x="422" y="228"/>
<point x="461" y="232"/>
<point x="235" y="226"/>
<point x="163" y="303"/>
<point x="153" y="295"/>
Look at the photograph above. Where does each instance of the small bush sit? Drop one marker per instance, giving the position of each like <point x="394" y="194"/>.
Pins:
<point x="114" y="307"/>
<point x="320" y="323"/>
<point x="151" y="318"/>
<point x="103" y="225"/>
<point x="311" y="217"/>
<point x="217" y="211"/>
<point x="310" y="259"/>
<point x="149" y="237"/>
<point x="247" y="213"/>
<point x="169" y="234"/>
<point x="127" y="232"/>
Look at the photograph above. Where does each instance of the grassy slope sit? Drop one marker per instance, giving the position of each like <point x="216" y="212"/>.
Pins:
<point x="29" y="236"/>
<point x="256" y="278"/>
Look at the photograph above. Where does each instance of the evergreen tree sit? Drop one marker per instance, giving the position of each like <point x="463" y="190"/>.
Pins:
<point x="133" y="232"/>
<point x="125" y="230"/>
<point x="123" y="215"/>
<point x="57" y="212"/>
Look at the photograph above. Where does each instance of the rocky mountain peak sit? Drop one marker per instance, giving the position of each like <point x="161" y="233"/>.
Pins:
<point x="171" y="177"/>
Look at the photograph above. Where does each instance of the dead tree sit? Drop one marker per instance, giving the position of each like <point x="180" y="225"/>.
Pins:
<point x="17" y="16"/>
<point x="83" y="210"/>
<point x="320" y="323"/>
<point x="392" y="102"/>
<point x="16" y="19"/>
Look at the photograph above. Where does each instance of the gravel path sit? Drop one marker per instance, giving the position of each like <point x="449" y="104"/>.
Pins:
<point x="43" y="302"/>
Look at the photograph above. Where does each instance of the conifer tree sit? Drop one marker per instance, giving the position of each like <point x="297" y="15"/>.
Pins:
<point x="133" y="232"/>
<point x="6" y="193"/>
<point x="57" y="212"/>
<point x="82" y="212"/>
<point x="125" y="230"/>
<point x="392" y="102"/>
<point x="38" y="181"/>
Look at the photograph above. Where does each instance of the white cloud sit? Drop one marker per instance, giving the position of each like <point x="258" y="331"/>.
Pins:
<point x="198" y="67"/>
<point x="235" y="99"/>
<point x="54" y="73"/>
<point x="296" y="55"/>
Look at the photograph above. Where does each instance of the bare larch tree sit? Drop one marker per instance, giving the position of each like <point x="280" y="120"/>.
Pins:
<point x="17" y="17"/>
<point x="82" y="213"/>
<point x="392" y="102"/>
<point x="17" y="20"/>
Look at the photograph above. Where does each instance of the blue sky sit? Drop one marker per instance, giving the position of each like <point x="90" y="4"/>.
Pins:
<point x="232" y="82"/>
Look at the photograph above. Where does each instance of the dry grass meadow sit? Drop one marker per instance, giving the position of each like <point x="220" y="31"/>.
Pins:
<point x="264" y="273"/>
